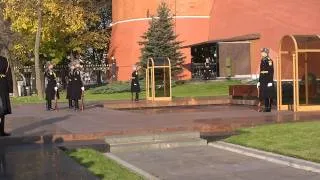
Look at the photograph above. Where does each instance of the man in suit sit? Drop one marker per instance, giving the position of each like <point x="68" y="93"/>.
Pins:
<point x="6" y="87"/>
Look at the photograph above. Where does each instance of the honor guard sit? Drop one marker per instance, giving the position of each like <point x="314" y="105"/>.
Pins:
<point x="6" y="87"/>
<point x="135" y="85"/>
<point x="51" y="86"/>
<point x="77" y="89"/>
<point x="69" y="84"/>
<point x="207" y="69"/>
<point x="265" y="83"/>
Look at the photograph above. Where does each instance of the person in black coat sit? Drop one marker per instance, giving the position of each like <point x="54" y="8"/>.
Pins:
<point x="265" y="84"/>
<point x="6" y="87"/>
<point x="77" y="85"/>
<point x="69" y="84"/>
<point x="51" y="86"/>
<point x="135" y="85"/>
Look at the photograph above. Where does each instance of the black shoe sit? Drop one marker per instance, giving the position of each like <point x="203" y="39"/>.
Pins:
<point x="5" y="134"/>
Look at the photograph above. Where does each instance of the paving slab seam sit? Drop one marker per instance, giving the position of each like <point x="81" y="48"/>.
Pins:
<point x="131" y="167"/>
<point x="267" y="156"/>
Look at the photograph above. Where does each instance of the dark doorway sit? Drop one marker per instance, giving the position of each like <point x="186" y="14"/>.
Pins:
<point x="205" y="61"/>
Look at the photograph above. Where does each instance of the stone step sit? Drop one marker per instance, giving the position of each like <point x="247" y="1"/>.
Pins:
<point x="159" y="137"/>
<point x="156" y="145"/>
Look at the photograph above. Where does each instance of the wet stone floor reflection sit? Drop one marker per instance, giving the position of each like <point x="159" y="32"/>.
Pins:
<point x="39" y="162"/>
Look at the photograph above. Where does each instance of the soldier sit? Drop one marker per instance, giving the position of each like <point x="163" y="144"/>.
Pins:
<point x="51" y="86"/>
<point x="77" y="85"/>
<point x="6" y="87"/>
<point x="207" y="69"/>
<point x="69" y="84"/>
<point x="135" y="85"/>
<point x="265" y="83"/>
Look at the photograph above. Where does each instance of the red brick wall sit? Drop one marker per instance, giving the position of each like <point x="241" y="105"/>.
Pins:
<point x="125" y="35"/>
<point x="271" y="18"/>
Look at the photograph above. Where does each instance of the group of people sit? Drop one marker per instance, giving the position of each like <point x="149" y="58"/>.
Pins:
<point x="75" y="87"/>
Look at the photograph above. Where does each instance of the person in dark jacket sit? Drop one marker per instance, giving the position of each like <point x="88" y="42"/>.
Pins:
<point x="77" y="85"/>
<point x="6" y="87"/>
<point x="135" y="85"/>
<point x="69" y="84"/>
<point x="265" y="84"/>
<point x="51" y="85"/>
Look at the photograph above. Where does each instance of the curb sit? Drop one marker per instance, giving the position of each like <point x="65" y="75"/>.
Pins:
<point x="267" y="156"/>
<point x="131" y="167"/>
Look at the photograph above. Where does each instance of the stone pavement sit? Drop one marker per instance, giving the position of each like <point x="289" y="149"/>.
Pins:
<point x="205" y="163"/>
<point x="96" y="122"/>
<point x="38" y="162"/>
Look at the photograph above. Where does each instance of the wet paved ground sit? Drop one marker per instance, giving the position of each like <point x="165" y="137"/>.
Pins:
<point x="32" y="120"/>
<point x="45" y="162"/>
<point x="36" y="162"/>
<point x="205" y="163"/>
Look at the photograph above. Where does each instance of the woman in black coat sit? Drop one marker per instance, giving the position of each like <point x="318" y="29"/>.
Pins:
<point x="51" y="86"/>
<point x="6" y="87"/>
<point x="135" y="85"/>
<point x="77" y="85"/>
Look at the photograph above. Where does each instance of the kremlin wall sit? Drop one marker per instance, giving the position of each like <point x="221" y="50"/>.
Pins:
<point x="228" y="23"/>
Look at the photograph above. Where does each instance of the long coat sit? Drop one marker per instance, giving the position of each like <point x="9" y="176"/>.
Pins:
<point x="51" y="84"/>
<point x="266" y="76"/>
<point x="77" y="83"/>
<point x="69" y="84"/>
<point x="135" y="85"/>
<point x="6" y="86"/>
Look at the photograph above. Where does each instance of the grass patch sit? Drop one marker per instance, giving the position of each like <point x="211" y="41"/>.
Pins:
<point x="216" y="88"/>
<point x="301" y="140"/>
<point x="199" y="89"/>
<point x="101" y="166"/>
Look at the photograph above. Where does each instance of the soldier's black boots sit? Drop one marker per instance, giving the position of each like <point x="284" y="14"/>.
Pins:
<point x="76" y="105"/>
<point x="267" y="103"/>
<point x="49" y="105"/>
<point x="70" y="104"/>
<point x="2" y="133"/>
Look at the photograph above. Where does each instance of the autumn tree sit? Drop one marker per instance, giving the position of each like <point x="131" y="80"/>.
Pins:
<point x="48" y="22"/>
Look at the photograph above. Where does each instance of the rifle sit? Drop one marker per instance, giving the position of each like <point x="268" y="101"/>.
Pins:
<point x="82" y="101"/>
<point x="56" y="101"/>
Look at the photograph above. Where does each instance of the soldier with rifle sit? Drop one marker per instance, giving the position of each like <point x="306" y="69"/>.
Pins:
<point x="265" y="84"/>
<point x="51" y="90"/>
<point x="6" y="87"/>
<point x="77" y="86"/>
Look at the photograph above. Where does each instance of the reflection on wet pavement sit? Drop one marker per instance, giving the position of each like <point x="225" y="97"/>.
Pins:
<point x="39" y="162"/>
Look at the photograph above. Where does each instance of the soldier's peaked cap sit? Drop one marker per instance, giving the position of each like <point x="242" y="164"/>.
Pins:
<point x="266" y="50"/>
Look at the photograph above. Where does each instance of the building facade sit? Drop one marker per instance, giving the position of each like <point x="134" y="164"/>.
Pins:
<point x="130" y="21"/>
<point x="231" y="31"/>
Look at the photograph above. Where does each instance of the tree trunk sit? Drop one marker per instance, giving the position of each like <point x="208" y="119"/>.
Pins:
<point x="38" y="68"/>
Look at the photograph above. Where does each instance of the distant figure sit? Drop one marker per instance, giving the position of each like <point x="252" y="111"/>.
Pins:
<point x="135" y="85"/>
<point x="265" y="83"/>
<point x="6" y="87"/>
<point x="51" y="86"/>
<point x="113" y="69"/>
<point x="207" y="69"/>
<point x="69" y="84"/>
<point x="77" y="85"/>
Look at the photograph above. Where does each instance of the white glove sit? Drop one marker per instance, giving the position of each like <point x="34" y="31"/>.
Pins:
<point x="56" y="88"/>
<point x="269" y="84"/>
<point x="58" y="84"/>
<point x="82" y="88"/>
<point x="258" y="84"/>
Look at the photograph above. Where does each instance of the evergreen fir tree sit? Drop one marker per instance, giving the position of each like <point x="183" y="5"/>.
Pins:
<point x="160" y="41"/>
